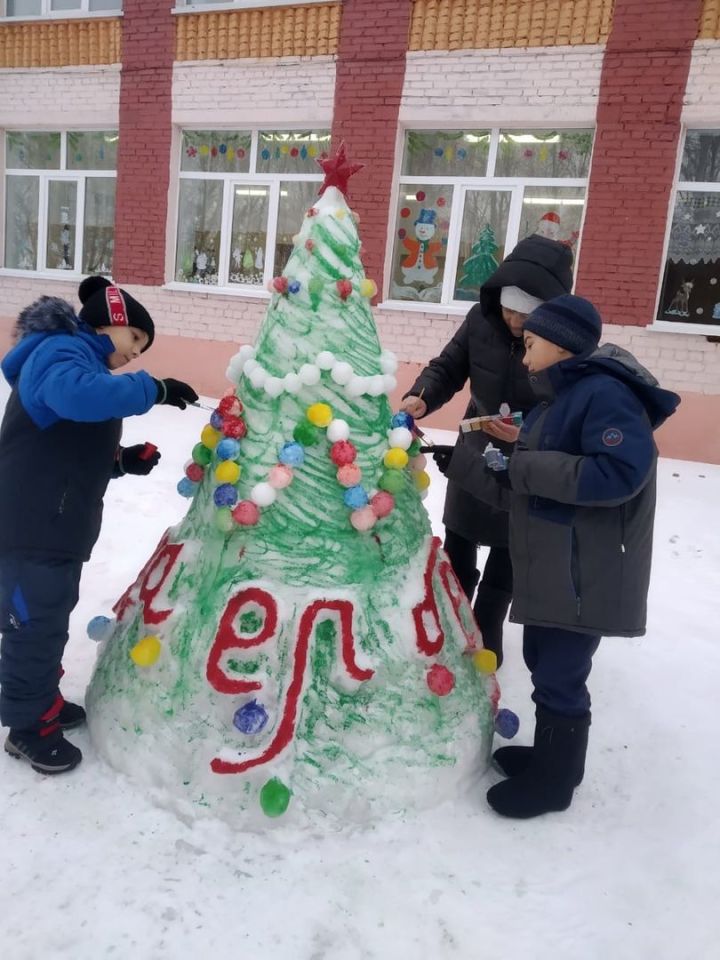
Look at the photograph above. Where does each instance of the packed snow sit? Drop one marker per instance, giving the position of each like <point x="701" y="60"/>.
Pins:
<point x="93" y="869"/>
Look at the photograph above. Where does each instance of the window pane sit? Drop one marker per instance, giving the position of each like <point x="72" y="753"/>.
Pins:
<point x="57" y="5"/>
<point x="554" y="212"/>
<point x="691" y="287"/>
<point x="92" y="150"/>
<point x="296" y="152"/>
<point x="482" y="240"/>
<point x="97" y="5"/>
<point x="544" y="153"/>
<point x="249" y="233"/>
<point x="32" y="151"/>
<point x="446" y="153"/>
<point x="23" y="8"/>
<point x="419" y="256"/>
<point x="61" y="228"/>
<point x="99" y="227"/>
<point x="701" y="156"/>
<point x="296" y="197"/>
<point x="21" y="222"/>
<point x="216" y="151"/>
<point x="199" y="217"/>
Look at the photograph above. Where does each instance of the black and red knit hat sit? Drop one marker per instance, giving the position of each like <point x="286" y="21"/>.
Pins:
<point x="105" y="305"/>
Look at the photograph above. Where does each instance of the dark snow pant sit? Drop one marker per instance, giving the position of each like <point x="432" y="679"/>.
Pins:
<point x="462" y="554"/>
<point x="37" y="596"/>
<point x="560" y="662"/>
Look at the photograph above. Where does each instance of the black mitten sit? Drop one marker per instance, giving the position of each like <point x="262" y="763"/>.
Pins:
<point x="442" y="455"/>
<point x="175" y="393"/>
<point x="139" y="459"/>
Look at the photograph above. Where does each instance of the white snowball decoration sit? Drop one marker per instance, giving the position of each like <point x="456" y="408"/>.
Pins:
<point x="357" y="386"/>
<point x="263" y="494"/>
<point x="232" y="373"/>
<point x="293" y="383"/>
<point x="309" y="374"/>
<point x="399" y="437"/>
<point x="376" y="385"/>
<point x="389" y="383"/>
<point x="325" y="360"/>
<point x="273" y="386"/>
<point x="250" y="365"/>
<point x="338" y="430"/>
<point x="341" y="373"/>
<point x="245" y="352"/>
<point x="424" y="494"/>
<point x="388" y="362"/>
<point x="258" y="377"/>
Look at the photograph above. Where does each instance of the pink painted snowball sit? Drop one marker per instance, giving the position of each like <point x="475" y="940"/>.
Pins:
<point x="280" y="476"/>
<point x="418" y="463"/>
<point x="382" y="504"/>
<point x="246" y="513"/>
<point x="363" y="519"/>
<point x="194" y="472"/>
<point x="350" y="475"/>
<point x="440" y="680"/>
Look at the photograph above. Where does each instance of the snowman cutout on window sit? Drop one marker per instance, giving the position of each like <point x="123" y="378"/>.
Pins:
<point x="420" y="265"/>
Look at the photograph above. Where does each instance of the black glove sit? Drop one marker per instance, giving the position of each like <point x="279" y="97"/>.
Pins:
<point x="442" y="455"/>
<point x="139" y="459"/>
<point x="175" y="393"/>
<point x="501" y="477"/>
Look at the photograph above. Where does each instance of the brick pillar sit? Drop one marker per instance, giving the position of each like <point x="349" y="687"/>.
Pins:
<point x="370" y="75"/>
<point x="643" y="82"/>
<point x="148" y="52"/>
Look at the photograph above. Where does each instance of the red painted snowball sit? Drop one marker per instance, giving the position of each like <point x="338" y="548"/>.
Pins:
<point x="230" y="406"/>
<point x="234" y="427"/>
<point x="342" y="453"/>
<point x="440" y="680"/>
<point x="246" y="513"/>
<point x="382" y="503"/>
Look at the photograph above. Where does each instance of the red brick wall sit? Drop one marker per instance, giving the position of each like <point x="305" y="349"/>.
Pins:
<point x="644" y="75"/>
<point x="148" y="36"/>
<point x="370" y="73"/>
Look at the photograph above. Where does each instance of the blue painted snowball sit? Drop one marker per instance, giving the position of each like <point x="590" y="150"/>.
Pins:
<point x="507" y="723"/>
<point x="355" y="497"/>
<point x="403" y="420"/>
<point x="292" y="454"/>
<point x="251" y="718"/>
<point x="98" y="628"/>
<point x="186" y="488"/>
<point x="225" y="495"/>
<point x="227" y="449"/>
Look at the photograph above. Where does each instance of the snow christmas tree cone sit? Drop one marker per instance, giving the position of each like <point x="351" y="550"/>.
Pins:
<point x="299" y="642"/>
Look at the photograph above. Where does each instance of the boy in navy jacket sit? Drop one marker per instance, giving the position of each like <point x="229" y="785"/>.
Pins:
<point x="580" y="487"/>
<point x="59" y="447"/>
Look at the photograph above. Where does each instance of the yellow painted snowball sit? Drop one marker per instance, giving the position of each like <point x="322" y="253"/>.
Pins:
<point x="210" y="436"/>
<point x="319" y="414"/>
<point x="395" y="458"/>
<point x="368" y="288"/>
<point x="227" y="472"/>
<point x="485" y="661"/>
<point x="422" y="480"/>
<point x="146" y="651"/>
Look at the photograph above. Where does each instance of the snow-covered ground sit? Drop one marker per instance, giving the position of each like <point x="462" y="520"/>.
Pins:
<point x="91" y="869"/>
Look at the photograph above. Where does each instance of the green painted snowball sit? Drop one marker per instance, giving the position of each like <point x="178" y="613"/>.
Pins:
<point x="306" y="434"/>
<point x="201" y="454"/>
<point x="392" y="480"/>
<point x="274" y="798"/>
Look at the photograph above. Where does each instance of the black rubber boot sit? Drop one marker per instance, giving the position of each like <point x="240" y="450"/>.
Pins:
<point x="515" y="760"/>
<point x="490" y="609"/>
<point x="551" y="776"/>
<point x="71" y="715"/>
<point x="46" y="754"/>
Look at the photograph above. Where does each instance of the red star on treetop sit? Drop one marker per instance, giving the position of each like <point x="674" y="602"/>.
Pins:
<point x="338" y="171"/>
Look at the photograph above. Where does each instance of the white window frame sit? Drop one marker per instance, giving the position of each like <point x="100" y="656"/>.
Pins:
<point x="79" y="177"/>
<point x="683" y="186"/>
<point x="188" y="6"/>
<point x="232" y="180"/>
<point x="460" y="186"/>
<point x="47" y="13"/>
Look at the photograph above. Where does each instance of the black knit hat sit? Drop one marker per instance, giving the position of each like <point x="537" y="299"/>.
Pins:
<point x="568" y="321"/>
<point x="105" y="305"/>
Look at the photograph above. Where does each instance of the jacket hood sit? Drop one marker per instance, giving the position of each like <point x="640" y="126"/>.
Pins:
<point x="44" y="318"/>
<point x="621" y="364"/>
<point x="540" y="267"/>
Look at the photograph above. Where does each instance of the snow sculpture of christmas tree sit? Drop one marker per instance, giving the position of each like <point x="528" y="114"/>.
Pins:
<point x="297" y="643"/>
<point x="479" y="266"/>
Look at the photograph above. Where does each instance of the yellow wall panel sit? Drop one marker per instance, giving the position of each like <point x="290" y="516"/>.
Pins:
<point x="60" y="43"/>
<point x="485" y="24"/>
<point x="710" y="20"/>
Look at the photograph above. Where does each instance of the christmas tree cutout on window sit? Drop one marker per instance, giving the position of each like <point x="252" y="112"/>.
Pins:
<point x="479" y="266"/>
<point x="298" y="642"/>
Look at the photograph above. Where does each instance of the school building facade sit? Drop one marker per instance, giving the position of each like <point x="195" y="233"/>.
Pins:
<point x="173" y="145"/>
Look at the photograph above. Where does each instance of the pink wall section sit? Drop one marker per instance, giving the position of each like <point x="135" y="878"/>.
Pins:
<point x="692" y="434"/>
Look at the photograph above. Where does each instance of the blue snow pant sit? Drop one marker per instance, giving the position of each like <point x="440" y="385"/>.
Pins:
<point x="560" y="662"/>
<point x="37" y="596"/>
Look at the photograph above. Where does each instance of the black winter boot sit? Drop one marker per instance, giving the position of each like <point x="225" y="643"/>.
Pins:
<point x="490" y="609"/>
<point x="551" y="776"/>
<point x="71" y="715"/>
<point x="515" y="760"/>
<point x="45" y="754"/>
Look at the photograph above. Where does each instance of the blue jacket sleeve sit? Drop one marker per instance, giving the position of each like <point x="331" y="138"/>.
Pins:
<point x="68" y="381"/>
<point x="618" y="453"/>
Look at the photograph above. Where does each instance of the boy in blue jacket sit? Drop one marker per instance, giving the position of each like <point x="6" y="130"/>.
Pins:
<point x="59" y="447"/>
<point x="580" y="487"/>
